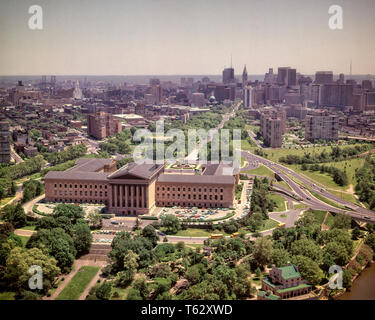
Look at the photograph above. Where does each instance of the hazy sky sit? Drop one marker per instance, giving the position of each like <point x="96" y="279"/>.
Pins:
<point x="128" y="37"/>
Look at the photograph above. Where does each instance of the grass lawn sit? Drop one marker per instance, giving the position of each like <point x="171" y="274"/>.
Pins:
<point x="52" y="291"/>
<point x="349" y="166"/>
<point x="5" y="200"/>
<point x="78" y="283"/>
<point x="31" y="228"/>
<point x="300" y="206"/>
<point x="269" y="224"/>
<point x="261" y="171"/>
<point x="238" y="191"/>
<point x="24" y="239"/>
<point x="345" y="196"/>
<point x="7" y="295"/>
<point x="249" y="146"/>
<point x="320" y="215"/>
<point x="192" y="232"/>
<point x="122" y="293"/>
<point x="282" y="184"/>
<point x="254" y="129"/>
<point x="280" y="202"/>
<point x="276" y="154"/>
<point x="326" y="200"/>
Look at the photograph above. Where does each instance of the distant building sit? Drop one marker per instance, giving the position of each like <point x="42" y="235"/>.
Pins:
<point x="322" y="126"/>
<point x="4" y="141"/>
<point x="228" y="75"/>
<point x="271" y="129"/>
<point x="283" y="283"/>
<point x="102" y="125"/>
<point x="244" y="77"/>
<point x="197" y="99"/>
<point x="336" y="95"/>
<point x="292" y="77"/>
<point x="248" y="97"/>
<point x="154" y="81"/>
<point x="77" y="93"/>
<point x="282" y="75"/>
<point x="323" y="77"/>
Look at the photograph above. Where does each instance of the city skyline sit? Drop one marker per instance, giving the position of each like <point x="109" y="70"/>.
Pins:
<point x="187" y="38"/>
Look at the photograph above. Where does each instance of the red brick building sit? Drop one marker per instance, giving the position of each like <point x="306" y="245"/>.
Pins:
<point x="102" y="125"/>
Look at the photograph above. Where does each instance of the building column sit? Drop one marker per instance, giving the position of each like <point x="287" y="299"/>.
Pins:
<point x="143" y="196"/>
<point x="132" y="196"/>
<point x="121" y="187"/>
<point x="115" y="191"/>
<point x="137" y="196"/>
<point x="126" y="195"/>
<point x="110" y="196"/>
<point x="146" y="197"/>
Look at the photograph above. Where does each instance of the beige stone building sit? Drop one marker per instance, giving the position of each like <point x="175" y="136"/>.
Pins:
<point x="136" y="189"/>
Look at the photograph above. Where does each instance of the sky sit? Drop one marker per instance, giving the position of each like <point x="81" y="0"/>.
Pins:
<point x="167" y="37"/>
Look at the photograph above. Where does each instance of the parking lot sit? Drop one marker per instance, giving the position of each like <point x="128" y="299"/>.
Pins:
<point x="196" y="214"/>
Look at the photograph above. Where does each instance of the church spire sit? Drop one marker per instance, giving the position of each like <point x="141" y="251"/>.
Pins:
<point x="244" y="76"/>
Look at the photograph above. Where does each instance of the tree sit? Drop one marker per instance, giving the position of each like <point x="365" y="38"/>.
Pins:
<point x="370" y="241"/>
<point x="337" y="253"/>
<point x="307" y="248"/>
<point x="57" y="243"/>
<point x="149" y="232"/>
<point x="103" y="292"/>
<point x="171" y="223"/>
<point x="123" y="278"/>
<point x="20" y="260"/>
<point x="309" y="269"/>
<point x="14" y="214"/>
<point x="82" y="238"/>
<point x="280" y="257"/>
<point x="342" y="221"/>
<point x="356" y="233"/>
<point x="31" y="189"/>
<point x="94" y="218"/>
<point x="72" y="211"/>
<point x="262" y="251"/>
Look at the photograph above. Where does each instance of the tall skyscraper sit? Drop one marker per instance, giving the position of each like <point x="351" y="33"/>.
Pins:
<point x="4" y="140"/>
<point x="248" y="97"/>
<point x="228" y="75"/>
<point x="282" y="76"/>
<point x="292" y="77"/>
<point x="244" y="77"/>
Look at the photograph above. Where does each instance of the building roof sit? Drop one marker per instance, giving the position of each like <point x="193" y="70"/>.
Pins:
<point x="90" y="164"/>
<point x="301" y="286"/>
<point x="200" y="179"/>
<point x="143" y="171"/>
<point x="268" y="296"/>
<point x="219" y="169"/>
<point x="85" y="169"/>
<point x="76" y="175"/>
<point x="289" y="272"/>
